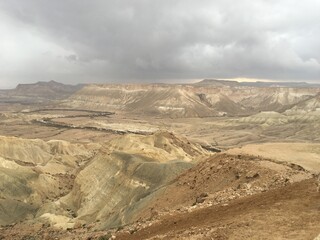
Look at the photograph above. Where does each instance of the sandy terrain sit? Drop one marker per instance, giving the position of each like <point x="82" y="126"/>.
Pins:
<point x="304" y="154"/>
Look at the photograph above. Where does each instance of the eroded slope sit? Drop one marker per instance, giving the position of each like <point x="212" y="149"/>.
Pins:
<point x="64" y="184"/>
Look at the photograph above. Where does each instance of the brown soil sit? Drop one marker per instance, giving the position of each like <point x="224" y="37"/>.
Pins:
<point x="291" y="212"/>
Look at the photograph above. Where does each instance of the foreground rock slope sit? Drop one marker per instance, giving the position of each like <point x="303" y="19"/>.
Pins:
<point x="222" y="197"/>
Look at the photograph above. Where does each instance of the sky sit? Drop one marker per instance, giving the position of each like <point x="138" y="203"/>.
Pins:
<point x="78" y="41"/>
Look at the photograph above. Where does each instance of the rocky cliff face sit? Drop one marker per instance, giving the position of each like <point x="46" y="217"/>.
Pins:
<point x="311" y="104"/>
<point x="199" y="100"/>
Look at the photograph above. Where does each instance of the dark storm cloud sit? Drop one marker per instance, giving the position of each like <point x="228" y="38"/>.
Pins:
<point x="145" y="40"/>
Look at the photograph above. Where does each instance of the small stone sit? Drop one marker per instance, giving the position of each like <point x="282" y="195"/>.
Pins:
<point x="251" y="175"/>
<point x="203" y="195"/>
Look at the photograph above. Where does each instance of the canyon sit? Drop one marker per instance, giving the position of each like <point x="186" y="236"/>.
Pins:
<point x="215" y="159"/>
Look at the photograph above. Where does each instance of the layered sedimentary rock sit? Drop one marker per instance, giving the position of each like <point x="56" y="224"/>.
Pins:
<point x="198" y="100"/>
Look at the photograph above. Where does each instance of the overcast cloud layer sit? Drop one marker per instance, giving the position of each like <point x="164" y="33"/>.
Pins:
<point x="160" y="40"/>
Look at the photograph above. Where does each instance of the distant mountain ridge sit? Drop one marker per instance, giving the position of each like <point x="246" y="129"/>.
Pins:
<point x="209" y="97"/>
<point x="218" y="83"/>
<point x="231" y="83"/>
<point x="39" y="92"/>
<point x="48" y="89"/>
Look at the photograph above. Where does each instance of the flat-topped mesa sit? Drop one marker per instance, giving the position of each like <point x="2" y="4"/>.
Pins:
<point x="42" y="88"/>
<point x="265" y="84"/>
<point x="281" y="84"/>
<point x="51" y="83"/>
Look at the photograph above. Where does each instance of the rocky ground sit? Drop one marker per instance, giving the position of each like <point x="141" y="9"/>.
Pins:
<point x="223" y="197"/>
